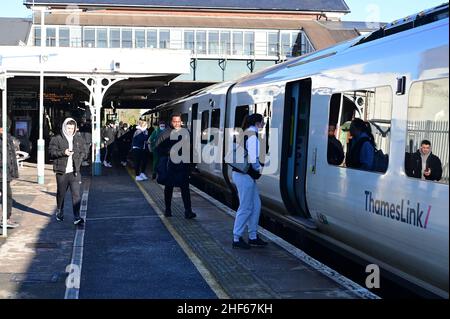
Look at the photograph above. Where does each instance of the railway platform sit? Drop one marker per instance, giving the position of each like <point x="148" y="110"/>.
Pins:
<point x="129" y="250"/>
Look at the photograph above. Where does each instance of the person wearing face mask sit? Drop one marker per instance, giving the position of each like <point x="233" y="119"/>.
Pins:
<point x="139" y="149"/>
<point x="152" y="143"/>
<point x="177" y="172"/>
<point x="67" y="150"/>
<point x="249" y="201"/>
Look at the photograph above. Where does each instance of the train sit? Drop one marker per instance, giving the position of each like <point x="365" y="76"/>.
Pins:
<point x="396" y="79"/>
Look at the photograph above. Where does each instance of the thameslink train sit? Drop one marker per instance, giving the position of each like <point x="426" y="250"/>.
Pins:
<point x="395" y="78"/>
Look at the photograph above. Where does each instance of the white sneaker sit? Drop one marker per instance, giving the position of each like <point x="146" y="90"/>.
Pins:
<point x="139" y="178"/>
<point x="144" y="176"/>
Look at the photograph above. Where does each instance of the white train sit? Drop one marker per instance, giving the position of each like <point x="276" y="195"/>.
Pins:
<point x="397" y="79"/>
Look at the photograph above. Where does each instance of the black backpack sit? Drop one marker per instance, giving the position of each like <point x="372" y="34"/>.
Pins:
<point x="380" y="160"/>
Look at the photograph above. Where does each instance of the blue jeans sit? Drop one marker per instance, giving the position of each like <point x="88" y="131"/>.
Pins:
<point x="249" y="206"/>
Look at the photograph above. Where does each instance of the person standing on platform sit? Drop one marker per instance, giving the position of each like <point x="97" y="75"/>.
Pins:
<point x="177" y="173"/>
<point x="68" y="151"/>
<point x="249" y="201"/>
<point x="153" y="138"/>
<point x="139" y="146"/>
<point x="109" y="136"/>
<point x="11" y="173"/>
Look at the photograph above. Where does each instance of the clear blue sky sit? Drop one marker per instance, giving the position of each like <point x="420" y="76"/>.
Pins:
<point x="362" y="10"/>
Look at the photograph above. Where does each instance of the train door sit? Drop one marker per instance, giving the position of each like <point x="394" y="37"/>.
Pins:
<point x="194" y="115"/>
<point x="295" y="147"/>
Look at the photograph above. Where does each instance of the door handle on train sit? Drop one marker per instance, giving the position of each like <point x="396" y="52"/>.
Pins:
<point x="313" y="166"/>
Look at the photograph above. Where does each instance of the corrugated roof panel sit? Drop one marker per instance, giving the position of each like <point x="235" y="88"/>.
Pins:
<point x="289" y="5"/>
<point x="14" y="30"/>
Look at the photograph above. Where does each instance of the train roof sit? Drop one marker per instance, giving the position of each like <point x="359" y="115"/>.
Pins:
<point x="410" y="22"/>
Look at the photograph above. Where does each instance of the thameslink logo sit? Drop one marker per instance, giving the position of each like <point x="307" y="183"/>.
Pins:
<point x="405" y="211"/>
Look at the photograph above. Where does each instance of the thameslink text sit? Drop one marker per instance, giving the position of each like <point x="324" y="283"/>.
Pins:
<point x="410" y="213"/>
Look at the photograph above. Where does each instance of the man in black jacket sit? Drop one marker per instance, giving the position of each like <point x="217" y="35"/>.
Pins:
<point x="424" y="164"/>
<point x="68" y="151"/>
<point x="12" y="172"/>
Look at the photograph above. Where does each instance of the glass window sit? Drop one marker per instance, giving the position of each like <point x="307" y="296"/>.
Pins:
<point x="213" y="42"/>
<point x="139" y="39"/>
<point x="189" y="40"/>
<point x="164" y="39"/>
<point x="37" y="36"/>
<point x="272" y="43"/>
<point x="75" y="37"/>
<point x="127" y="38"/>
<point x="184" y="119"/>
<point x="102" y="38"/>
<point x="286" y="44"/>
<point x="371" y="111"/>
<point x="428" y="121"/>
<point x="239" y="115"/>
<point x="89" y="38"/>
<point x="225" y="42"/>
<point x="204" y="127"/>
<point x="238" y="43"/>
<point x="215" y="118"/>
<point x="249" y="43"/>
<point x="114" y="38"/>
<point x="64" y="37"/>
<point x="51" y="37"/>
<point x="152" y="39"/>
<point x="200" y="42"/>
<point x="265" y="110"/>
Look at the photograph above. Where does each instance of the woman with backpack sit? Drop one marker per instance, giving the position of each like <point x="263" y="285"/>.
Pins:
<point x="249" y="201"/>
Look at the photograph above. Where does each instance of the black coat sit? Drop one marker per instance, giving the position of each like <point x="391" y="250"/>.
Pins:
<point x="12" y="169"/>
<point x="177" y="174"/>
<point x="335" y="152"/>
<point x="413" y="166"/>
<point x="57" y="147"/>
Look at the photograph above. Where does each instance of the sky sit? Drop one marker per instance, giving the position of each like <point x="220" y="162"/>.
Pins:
<point x="361" y="10"/>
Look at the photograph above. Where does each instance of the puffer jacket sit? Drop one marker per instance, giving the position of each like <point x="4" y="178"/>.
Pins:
<point x="12" y="168"/>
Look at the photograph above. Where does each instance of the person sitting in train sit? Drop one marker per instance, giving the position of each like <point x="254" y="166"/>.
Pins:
<point x="335" y="152"/>
<point x="362" y="146"/>
<point x="423" y="163"/>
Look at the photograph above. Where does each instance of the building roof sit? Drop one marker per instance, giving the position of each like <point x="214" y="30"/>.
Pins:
<point x="352" y="25"/>
<point x="14" y="30"/>
<point x="271" y="5"/>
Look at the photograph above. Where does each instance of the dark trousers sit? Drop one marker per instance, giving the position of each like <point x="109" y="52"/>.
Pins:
<point x="140" y="161"/>
<point x="109" y="152"/>
<point x="63" y="182"/>
<point x="185" y="195"/>
<point x="8" y="199"/>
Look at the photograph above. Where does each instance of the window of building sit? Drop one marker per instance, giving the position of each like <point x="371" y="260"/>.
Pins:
<point x="286" y="44"/>
<point x="164" y="39"/>
<point x="89" y="38"/>
<point x="238" y="43"/>
<point x="374" y="106"/>
<point x="204" y="127"/>
<point x="428" y="120"/>
<point x="139" y="39"/>
<point x="127" y="38"/>
<point x="37" y="36"/>
<point x="213" y="42"/>
<point x="51" y="37"/>
<point x="272" y="43"/>
<point x="64" y="37"/>
<point x="75" y="37"/>
<point x="225" y="42"/>
<point x="102" y="38"/>
<point x="249" y="43"/>
<point x="114" y="38"/>
<point x="152" y="39"/>
<point x="200" y="42"/>
<point x="189" y="42"/>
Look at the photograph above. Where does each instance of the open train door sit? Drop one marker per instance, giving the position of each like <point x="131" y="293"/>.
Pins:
<point x="295" y="150"/>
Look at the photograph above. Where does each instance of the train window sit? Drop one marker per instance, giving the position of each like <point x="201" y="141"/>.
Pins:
<point x="427" y="131"/>
<point x="184" y="119"/>
<point x="215" y="124"/>
<point x="265" y="110"/>
<point x="374" y="107"/>
<point x="204" y="127"/>
<point x="240" y="114"/>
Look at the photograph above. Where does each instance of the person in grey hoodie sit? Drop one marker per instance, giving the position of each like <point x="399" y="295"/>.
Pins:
<point x="68" y="151"/>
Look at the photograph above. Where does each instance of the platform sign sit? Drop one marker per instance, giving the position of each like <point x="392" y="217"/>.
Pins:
<point x="23" y="101"/>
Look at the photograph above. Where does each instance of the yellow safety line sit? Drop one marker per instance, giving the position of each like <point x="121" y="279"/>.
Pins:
<point x="204" y="272"/>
